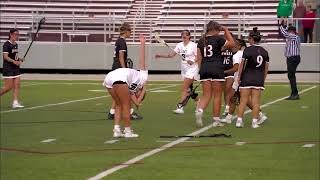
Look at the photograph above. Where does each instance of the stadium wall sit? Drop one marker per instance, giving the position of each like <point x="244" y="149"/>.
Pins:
<point x="99" y="56"/>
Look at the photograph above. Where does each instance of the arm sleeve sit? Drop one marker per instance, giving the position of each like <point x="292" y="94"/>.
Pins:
<point x="5" y="48"/>
<point x="285" y="33"/>
<point x="267" y="57"/>
<point x="122" y="45"/>
<point x="236" y="58"/>
<point x="195" y="50"/>
<point x="176" y="49"/>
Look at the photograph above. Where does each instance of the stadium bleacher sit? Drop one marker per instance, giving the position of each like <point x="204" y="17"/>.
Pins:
<point x="97" y="20"/>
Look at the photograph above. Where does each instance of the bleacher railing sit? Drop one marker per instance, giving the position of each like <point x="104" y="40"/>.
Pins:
<point x="108" y="26"/>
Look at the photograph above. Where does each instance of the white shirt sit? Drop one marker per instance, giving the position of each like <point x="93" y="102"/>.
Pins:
<point x="134" y="79"/>
<point x="189" y="52"/>
<point x="237" y="58"/>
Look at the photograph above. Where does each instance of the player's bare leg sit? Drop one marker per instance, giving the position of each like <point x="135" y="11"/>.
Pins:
<point x="16" y="90"/>
<point x="227" y="94"/>
<point x="8" y="85"/>
<point x="232" y="108"/>
<point x="245" y="95"/>
<point x="262" y="117"/>
<point x="122" y="92"/>
<point x="255" y="97"/>
<point x="204" y="101"/>
<point x="117" y="115"/>
<point x="217" y="88"/>
<point x="184" y="96"/>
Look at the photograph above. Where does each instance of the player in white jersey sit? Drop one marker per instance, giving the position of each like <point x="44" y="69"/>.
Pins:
<point x="237" y="58"/>
<point x="189" y="69"/>
<point x="123" y="84"/>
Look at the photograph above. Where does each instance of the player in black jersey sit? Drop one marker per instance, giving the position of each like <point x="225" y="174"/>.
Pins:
<point x="253" y="71"/>
<point x="11" y="67"/>
<point x="230" y="67"/>
<point x="120" y="60"/>
<point x="211" y="68"/>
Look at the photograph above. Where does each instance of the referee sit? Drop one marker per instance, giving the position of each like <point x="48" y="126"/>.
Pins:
<point x="292" y="53"/>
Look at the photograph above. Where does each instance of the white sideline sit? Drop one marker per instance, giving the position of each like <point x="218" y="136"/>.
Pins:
<point x="73" y="101"/>
<point x="173" y="143"/>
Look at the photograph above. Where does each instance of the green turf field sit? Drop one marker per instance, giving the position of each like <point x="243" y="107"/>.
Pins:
<point x="74" y="113"/>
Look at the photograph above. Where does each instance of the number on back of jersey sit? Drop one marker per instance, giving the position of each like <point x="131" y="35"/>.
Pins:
<point x="259" y="61"/>
<point x="226" y="60"/>
<point x="207" y="51"/>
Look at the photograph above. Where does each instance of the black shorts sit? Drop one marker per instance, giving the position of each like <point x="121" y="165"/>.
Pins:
<point x="244" y="84"/>
<point x="211" y="71"/>
<point x="228" y="76"/>
<point x="116" y="64"/>
<point x="119" y="82"/>
<point x="10" y="71"/>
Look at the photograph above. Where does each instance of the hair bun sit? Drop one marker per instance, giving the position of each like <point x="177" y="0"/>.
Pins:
<point x="255" y="29"/>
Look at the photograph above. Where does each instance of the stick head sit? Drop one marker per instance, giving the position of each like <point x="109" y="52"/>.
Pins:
<point x="157" y="37"/>
<point x="42" y="20"/>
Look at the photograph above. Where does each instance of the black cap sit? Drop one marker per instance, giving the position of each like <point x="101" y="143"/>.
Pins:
<point x="292" y="28"/>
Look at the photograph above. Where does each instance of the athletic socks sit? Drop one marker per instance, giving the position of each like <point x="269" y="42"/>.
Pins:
<point x="117" y="127"/>
<point x="226" y="110"/>
<point x="112" y="111"/>
<point x="229" y="116"/>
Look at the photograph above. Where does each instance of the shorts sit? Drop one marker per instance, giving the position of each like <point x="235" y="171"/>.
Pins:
<point x="247" y="85"/>
<point x="8" y="73"/>
<point x="190" y="71"/>
<point x="112" y="78"/>
<point x="211" y="72"/>
<point x="226" y="76"/>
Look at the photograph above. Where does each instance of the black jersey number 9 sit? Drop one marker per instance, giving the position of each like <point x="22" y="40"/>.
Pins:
<point x="259" y="61"/>
<point x="133" y="86"/>
<point x="207" y="51"/>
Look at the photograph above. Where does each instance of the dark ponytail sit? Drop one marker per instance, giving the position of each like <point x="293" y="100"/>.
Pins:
<point x="211" y="26"/>
<point x="11" y="32"/>
<point x="255" y="35"/>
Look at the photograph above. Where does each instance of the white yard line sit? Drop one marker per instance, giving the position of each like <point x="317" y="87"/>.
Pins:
<point x="173" y="143"/>
<point x="48" y="140"/>
<point x="73" y="101"/>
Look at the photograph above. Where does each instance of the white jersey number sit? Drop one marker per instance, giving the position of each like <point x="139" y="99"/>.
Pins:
<point x="226" y="60"/>
<point x="209" y="50"/>
<point x="259" y="61"/>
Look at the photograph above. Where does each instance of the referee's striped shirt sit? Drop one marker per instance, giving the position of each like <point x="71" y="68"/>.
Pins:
<point x="293" y="43"/>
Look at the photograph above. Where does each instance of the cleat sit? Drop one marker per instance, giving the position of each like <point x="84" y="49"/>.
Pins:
<point x="135" y="116"/>
<point x="239" y="124"/>
<point x="227" y="120"/>
<point x="255" y="125"/>
<point x="117" y="133"/>
<point x="178" y="111"/>
<point x="217" y="124"/>
<point x="199" y="118"/>
<point x="130" y="134"/>
<point x="17" y="105"/>
<point x="110" y="116"/>
<point x="262" y="119"/>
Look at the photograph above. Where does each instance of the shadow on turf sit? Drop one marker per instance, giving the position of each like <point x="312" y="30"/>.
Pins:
<point x="4" y="149"/>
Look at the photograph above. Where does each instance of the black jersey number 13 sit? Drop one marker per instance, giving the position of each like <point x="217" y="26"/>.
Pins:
<point x="207" y="51"/>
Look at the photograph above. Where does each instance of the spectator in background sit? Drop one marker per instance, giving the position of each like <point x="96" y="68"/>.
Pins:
<point x="299" y="12"/>
<point x="308" y="25"/>
<point x="284" y="9"/>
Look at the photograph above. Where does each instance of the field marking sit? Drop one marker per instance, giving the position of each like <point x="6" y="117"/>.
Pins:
<point x="173" y="143"/>
<point x="111" y="141"/>
<point x="240" y="143"/>
<point x="72" y="101"/>
<point x="308" y="145"/>
<point x="168" y="141"/>
<point x="48" y="140"/>
<point x="304" y="107"/>
<point x="162" y="91"/>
